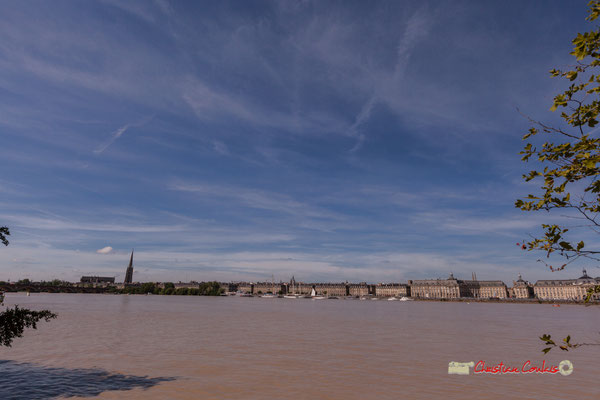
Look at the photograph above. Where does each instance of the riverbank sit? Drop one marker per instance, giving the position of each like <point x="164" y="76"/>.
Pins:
<point x="181" y="292"/>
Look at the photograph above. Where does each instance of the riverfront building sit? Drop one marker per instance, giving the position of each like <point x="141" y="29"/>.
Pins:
<point x="268" y="287"/>
<point x="298" y="288"/>
<point x="450" y="288"/>
<point x="359" y="289"/>
<point x="453" y="288"/>
<point x="392" y="290"/>
<point x="245" y="287"/>
<point x="227" y="287"/>
<point x="485" y="289"/>
<point x="331" y="289"/>
<point x="565" y="289"/>
<point x="521" y="289"/>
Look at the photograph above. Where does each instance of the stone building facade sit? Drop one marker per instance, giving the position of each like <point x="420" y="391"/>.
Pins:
<point x="450" y="288"/>
<point x="485" y="289"/>
<point x="392" y="290"/>
<point x="566" y="289"/>
<point x="298" y="288"/>
<point x="228" y="287"/>
<point x="245" y="287"/>
<point x="331" y="289"/>
<point x="359" y="289"/>
<point x="268" y="287"/>
<point x="521" y="289"/>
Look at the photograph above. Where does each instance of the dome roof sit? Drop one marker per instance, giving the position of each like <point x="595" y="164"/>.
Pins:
<point x="585" y="278"/>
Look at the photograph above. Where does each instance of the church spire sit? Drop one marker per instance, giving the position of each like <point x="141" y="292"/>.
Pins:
<point x="129" y="271"/>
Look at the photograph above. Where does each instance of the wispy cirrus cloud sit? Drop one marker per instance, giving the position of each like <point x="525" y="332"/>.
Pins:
<point x="348" y="140"/>
<point x="118" y="133"/>
<point x="255" y="198"/>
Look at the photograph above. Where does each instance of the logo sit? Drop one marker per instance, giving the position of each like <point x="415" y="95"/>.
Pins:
<point x="565" y="368"/>
<point x="459" y="368"/>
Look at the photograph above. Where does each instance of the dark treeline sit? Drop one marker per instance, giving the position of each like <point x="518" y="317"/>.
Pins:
<point x="203" y="289"/>
<point x="27" y="282"/>
<point x="56" y="286"/>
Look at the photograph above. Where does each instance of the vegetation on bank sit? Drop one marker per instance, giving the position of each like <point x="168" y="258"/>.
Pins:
<point x="14" y="321"/>
<point x="168" y="288"/>
<point x="204" y="289"/>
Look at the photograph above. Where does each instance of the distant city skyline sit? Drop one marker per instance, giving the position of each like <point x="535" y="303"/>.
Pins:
<point x="238" y="140"/>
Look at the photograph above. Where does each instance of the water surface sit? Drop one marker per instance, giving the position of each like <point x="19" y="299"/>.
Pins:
<point x="188" y="347"/>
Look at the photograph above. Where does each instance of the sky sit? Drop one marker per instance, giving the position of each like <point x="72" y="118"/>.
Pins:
<point x="256" y="140"/>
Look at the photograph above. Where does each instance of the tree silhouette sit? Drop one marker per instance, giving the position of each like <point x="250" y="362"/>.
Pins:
<point x="13" y="321"/>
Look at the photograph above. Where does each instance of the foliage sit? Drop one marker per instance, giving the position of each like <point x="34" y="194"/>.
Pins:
<point x="565" y="346"/>
<point x="570" y="158"/>
<point x="4" y="232"/>
<point x="203" y="289"/>
<point x="55" y="282"/>
<point x="571" y="164"/>
<point x="14" y="321"/>
<point x="210" y="289"/>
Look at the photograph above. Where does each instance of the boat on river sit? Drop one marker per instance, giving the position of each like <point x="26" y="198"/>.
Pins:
<point x="314" y="296"/>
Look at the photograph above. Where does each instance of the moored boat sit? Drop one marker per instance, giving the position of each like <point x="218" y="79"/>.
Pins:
<point x="314" y="296"/>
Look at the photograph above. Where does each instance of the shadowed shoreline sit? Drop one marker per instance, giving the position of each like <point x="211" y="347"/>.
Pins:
<point x="31" y="381"/>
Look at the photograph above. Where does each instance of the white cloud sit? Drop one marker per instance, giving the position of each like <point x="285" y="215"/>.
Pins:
<point x="114" y="136"/>
<point x="104" y="250"/>
<point x="118" y="133"/>
<point x="255" y="198"/>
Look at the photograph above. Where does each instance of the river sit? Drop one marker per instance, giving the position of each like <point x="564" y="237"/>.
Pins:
<point x="189" y="347"/>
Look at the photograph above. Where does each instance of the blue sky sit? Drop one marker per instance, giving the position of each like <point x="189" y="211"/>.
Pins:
<point x="333" y="141"/>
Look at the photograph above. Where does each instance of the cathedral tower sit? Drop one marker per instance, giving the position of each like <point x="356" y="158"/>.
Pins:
<point x="129" y="272"/>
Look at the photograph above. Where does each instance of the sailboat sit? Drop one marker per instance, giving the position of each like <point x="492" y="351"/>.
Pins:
<point x="313" y="295"/>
